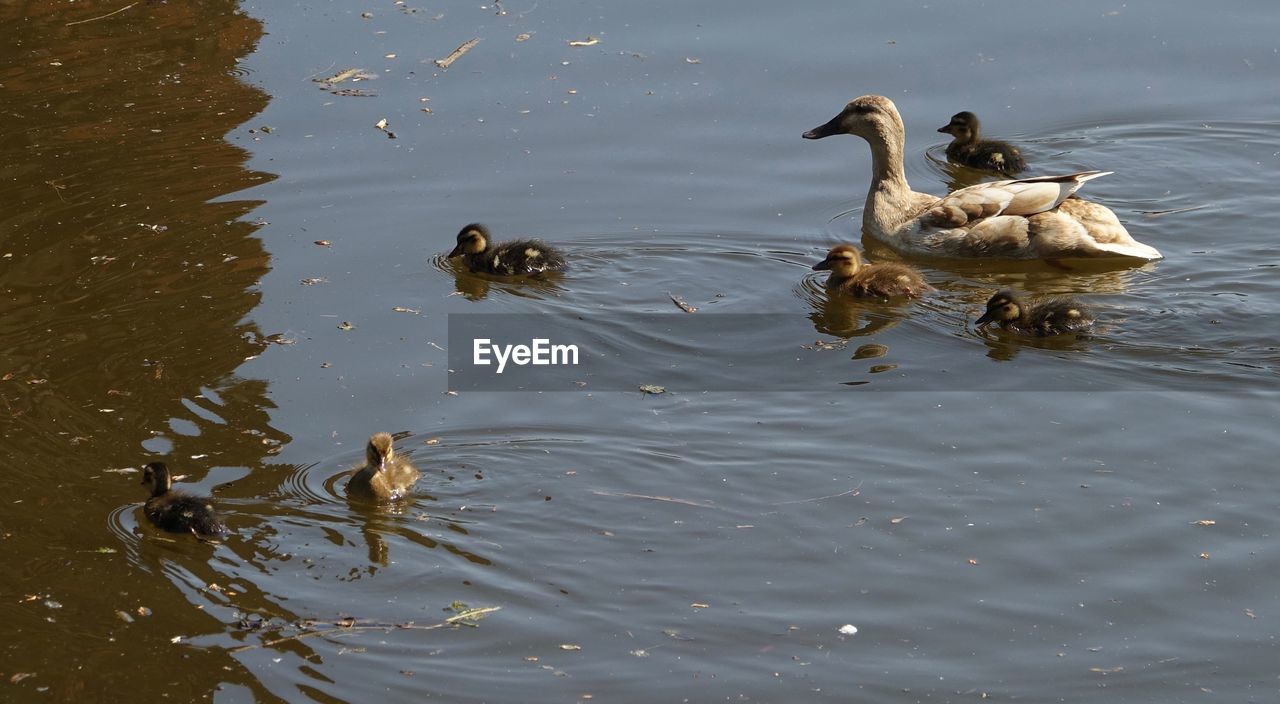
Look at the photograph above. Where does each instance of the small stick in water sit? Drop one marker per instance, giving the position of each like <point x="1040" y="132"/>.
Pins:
<point x="457" y="53"/>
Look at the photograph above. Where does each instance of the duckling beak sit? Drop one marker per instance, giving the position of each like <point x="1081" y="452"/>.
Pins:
<point x="832" y="127"/>
<point x="825" y="264"/>
<point x="456" y="251"/>
<point x="945" y="130"/>
<point x="987" y="317"/>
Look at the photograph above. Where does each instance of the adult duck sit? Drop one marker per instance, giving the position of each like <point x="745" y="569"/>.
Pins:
<point x="1033" y="218"/>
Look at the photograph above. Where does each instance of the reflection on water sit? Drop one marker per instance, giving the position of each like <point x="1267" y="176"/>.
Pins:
<point x="124" y="295"/>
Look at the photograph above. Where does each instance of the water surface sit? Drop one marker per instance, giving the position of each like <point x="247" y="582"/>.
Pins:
<point x="998" y="518"/>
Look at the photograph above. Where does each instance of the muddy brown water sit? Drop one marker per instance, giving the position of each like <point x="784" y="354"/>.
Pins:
<point x="1066" y="520"/>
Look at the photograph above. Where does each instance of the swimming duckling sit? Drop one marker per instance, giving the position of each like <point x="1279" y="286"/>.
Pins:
<point x="970" y="149"/>
<point x="178" y="511"/>
<point x="850" y="275"/>
<point x="515" y="258"/>
<point x="384" y="476"/>
<point x="1051" y="316"/>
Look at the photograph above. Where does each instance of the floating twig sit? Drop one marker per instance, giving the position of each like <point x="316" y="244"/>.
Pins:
<point x="852" y="492"/>
<point x="102" y="17"/>
<point x="349" y="625"/>
<point x="629" y="495"/>
<point x="1171" y="211"/>
<point x="457" y="53"/>
<point x="681" y="304"/>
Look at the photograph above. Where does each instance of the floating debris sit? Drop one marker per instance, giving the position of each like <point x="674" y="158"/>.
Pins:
<point x="848" y="629"/>
<point x="314" y="280"/>
<point x="355" y="74"/>
<point x="570" y="646"/>
<point x="466" y="46"/>
<point x="681" y="304"/>
<point x="589" y="41"/>
<point x="402" y="309"/>
<point x="652" y="389"/>
<point x="382" y="125"/>
<point x="344" y="325"/>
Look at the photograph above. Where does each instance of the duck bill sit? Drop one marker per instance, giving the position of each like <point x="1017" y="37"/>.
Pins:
<point x="986" y="318"/>
<point x="832" y="127"/>
<point x="945" y="130"/>
<point x="456" y="251"/>
<point x="825" y="264"/>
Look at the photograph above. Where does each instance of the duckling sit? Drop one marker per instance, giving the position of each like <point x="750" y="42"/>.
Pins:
<point x="1033" y="218"/>
<point x="850" y="275"/>
<point x="178" y="511"/>
<point x="1052" y="316"/>
<point x="383" y="476"/>
<point x="970" y="149"/>
<point x="515" y="258"/>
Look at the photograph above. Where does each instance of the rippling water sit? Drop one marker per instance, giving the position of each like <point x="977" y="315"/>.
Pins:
<point x="249" y="289"/>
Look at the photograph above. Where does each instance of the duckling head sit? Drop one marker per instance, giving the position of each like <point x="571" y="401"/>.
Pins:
<point x="872" y="117"/>
<point x="842" y="261"/>
<point x="379" y="451"/>
<point x="1001" y="308"/>
<point x="155" y="476"/>
<point x="472" y="239"/>
<point x="963" y="126"/>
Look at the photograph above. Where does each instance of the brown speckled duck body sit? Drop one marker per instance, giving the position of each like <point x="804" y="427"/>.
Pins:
<point x="178" y="511"/>
<point x="850" y="275"/>
<point x="515" y="258"/>
<point x="968" y="148"/>
<point x="1033" y="218"/>
<point x="1050" y="316"/>
<point x="385" y="476"/>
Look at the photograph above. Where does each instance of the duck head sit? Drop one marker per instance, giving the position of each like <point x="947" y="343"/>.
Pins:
<point x="472" y="239"/>
<point x="1001" y="308"/>
<point x="963" y="126"/>
<point x="842" y="261"/>
<point x="872" y="117"/>
<point x="155" y="476"/>
<point x="379" y="451"/>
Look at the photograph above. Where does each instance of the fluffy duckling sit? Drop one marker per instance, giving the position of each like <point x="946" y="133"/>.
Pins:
<point x="1052" y="316"/>
<point x="515" y="258"/>
<point x="178" y="511"/>
<point x="384" y="476"/>
<point x="1033" y="218"/>
<point x="850" y="275"/>
<point x="970" y="149"/>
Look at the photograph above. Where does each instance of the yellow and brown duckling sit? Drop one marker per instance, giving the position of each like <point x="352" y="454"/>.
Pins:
<point x="1052" y="316"/>
<point x="968" y="148"/>
<point x="850" y="275"/>
<point x="516" y="258"/>
<point x="384" y="476"/>
<point x="178" y="511"/>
